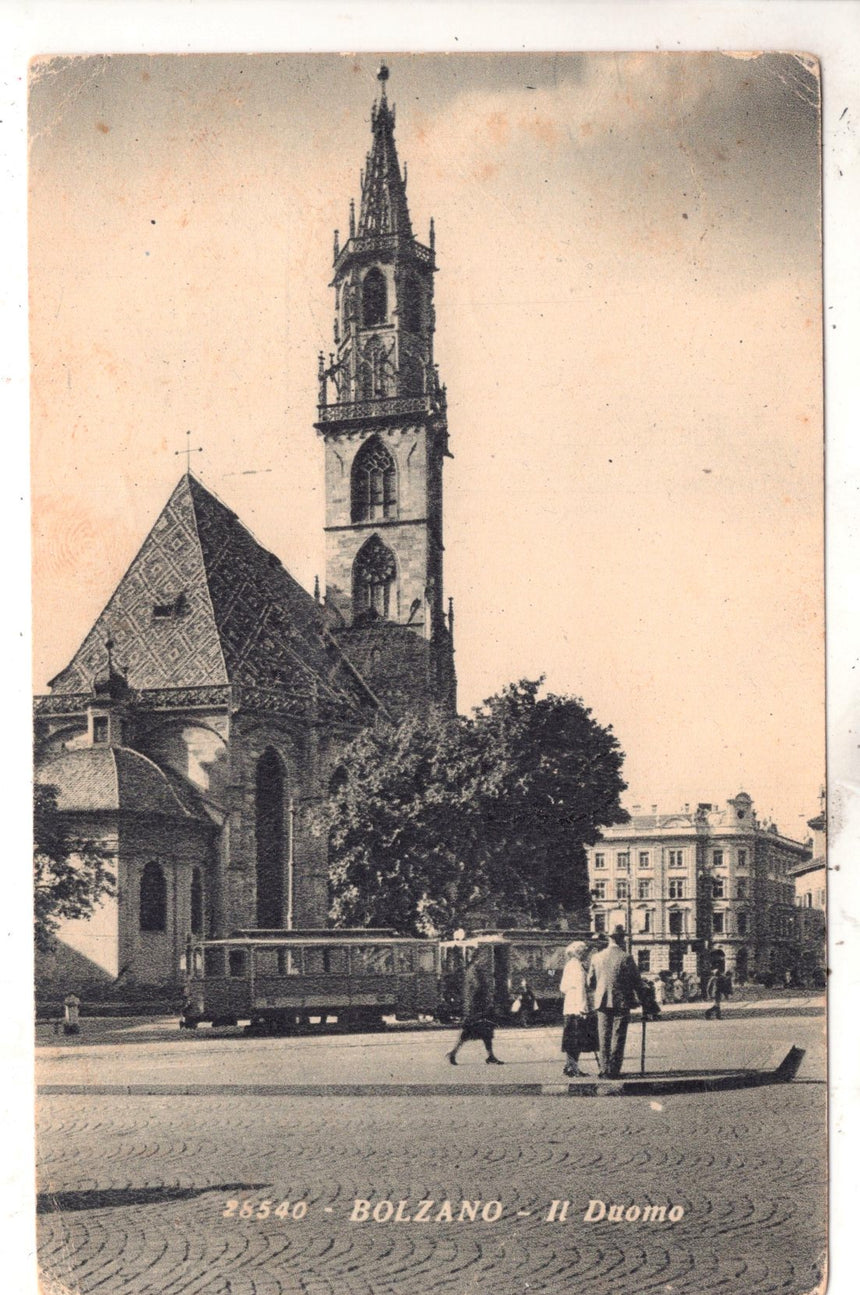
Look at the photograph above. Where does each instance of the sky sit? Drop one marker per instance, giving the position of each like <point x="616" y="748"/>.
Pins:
<point x="628" y="324"/>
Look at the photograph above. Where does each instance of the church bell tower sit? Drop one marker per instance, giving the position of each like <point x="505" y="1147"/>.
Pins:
<point x="382" y="416"/>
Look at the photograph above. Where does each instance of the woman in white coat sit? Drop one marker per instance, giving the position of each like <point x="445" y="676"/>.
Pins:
<point x="576" y="1006"/>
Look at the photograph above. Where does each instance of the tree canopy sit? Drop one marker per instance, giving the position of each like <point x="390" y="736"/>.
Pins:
<point x="70" y="875"/>
<point x="437" y="817"/>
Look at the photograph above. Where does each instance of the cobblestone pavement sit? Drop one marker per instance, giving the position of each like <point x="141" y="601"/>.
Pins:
<point x="136" y="1193"/>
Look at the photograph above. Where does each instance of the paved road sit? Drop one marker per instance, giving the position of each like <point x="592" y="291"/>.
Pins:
<point x="134" y="1191"/>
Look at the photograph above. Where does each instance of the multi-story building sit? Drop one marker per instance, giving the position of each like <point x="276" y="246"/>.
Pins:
<point x="810" y="897"/>
<point x="712" y="887"/>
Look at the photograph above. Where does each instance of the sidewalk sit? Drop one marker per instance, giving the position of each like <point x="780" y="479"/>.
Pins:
<point x="414" y="1059"/>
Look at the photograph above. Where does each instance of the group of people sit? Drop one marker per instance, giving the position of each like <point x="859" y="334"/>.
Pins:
<point x="601" y="991"/>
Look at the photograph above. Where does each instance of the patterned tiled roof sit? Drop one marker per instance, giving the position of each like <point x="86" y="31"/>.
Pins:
<point x="204" y="604"/>
<point x="113" y="778"/>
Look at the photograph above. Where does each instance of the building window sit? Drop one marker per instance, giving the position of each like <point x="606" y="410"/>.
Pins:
<point x="100" y="729"/>
<point x="718" y="887"/>
<point x="742" y="888"/>
<point x="622" y="860"/>
<point x="643" y="887"/>
<point x="676" y="888"/>
<point x="622" y="888"/>
<point x="718" y="858"/>
<point x="676" y="959"/>
<point x="644" y="858"/>
<point x="170" y="610"/>
<point x="742" y="858"/>
<point x="600" y="861"/>
<point x="374" y="483"/>
<point x="643" y="958"/>
<point x="599" y="922"/>
<point x="153" y="899"/>
<point x="236" y="962"/>
<point x="646" y="926"/>
<point x="676" y="922"/>
<point x="676" y="858"/>
<point x="374" y="298"/>
<point x="598" y="890"/>
<point x="719" y="923"/>
<point x="373" y="575"/>
<point x="196" y="902"/>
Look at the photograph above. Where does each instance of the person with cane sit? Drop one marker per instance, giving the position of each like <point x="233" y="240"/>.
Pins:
<point x="617" y="986"/>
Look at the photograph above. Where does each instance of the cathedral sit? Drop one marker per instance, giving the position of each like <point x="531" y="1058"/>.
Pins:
<point x="203" y="717"/>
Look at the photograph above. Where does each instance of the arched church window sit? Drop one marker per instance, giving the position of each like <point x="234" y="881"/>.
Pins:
<point x="153" y="899"/>
<point x="375" y="370"/>
<point x="373" y="576"/>
<point x="410" y="309"/>
<point x="196" y="902"/>
<point x="374" y="298"/>
<point x="271" y="838"/>
<point x="374" y="483"/>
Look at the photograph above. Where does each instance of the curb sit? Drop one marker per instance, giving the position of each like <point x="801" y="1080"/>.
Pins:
<point x="632" y="1086"/>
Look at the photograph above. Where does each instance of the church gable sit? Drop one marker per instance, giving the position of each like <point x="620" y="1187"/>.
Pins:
<point x="160" y="615"/>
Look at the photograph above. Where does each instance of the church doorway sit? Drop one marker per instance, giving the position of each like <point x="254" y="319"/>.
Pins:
<point x="270" y="823"/>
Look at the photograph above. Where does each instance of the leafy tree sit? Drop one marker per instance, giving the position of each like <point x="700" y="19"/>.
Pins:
<point x="436" y="817"/>
<point x="70" y="875"/>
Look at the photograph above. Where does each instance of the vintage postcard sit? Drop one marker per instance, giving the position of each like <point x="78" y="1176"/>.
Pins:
<point x="428" y="611"/>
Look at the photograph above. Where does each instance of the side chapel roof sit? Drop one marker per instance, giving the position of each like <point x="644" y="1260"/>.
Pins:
<point x="113" y="778"/>
<point x="204" y="604"/>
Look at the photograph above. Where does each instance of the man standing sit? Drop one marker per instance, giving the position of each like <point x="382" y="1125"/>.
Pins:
<point x="617" y="986"/>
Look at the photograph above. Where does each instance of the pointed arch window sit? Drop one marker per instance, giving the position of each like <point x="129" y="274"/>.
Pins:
<point x="374" y="483"/>
<point x="153" y="898"/>
<point x="373" y="576"/>
<point x="376" y="370"/>
<point x="374" y="298"/>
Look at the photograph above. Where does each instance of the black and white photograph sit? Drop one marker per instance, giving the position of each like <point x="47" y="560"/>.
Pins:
<point x="430" y="804"/>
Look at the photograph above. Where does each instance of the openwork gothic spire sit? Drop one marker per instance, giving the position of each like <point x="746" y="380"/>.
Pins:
<point x="383" y="194"/>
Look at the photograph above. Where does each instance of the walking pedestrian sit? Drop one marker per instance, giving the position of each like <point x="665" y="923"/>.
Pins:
<point x="575" y="1007"/>
<point x="617" y="986"/>
<point x="478" y="1006"/>
<point x="716" y="990"/>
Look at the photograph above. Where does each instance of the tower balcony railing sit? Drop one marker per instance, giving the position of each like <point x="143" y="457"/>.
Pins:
<point x="382" y="407"/>
<point x="380" y="244"/>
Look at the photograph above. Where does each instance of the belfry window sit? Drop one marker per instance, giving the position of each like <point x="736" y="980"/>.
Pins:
<point x="374" y="298"/>
<point x="374" y="483"/>
<point x="373" y="576"/>
<point x="153" y="899"/>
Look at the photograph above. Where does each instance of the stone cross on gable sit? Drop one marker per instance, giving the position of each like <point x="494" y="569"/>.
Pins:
<point x="188" y="451"/>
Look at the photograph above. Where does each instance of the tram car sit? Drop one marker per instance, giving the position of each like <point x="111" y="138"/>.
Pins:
<point x="282" y="980"/>
<point x="527" y="967"/>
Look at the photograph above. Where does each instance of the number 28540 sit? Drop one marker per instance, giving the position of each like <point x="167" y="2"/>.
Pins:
<point x="263" y="1209"/>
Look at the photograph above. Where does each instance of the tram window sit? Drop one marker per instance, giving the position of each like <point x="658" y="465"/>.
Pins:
<point x="404" y="959"/>
<point x="526" y="957"/>
<point x="213" y="962"/>
<point x="426" y="958"/>
<point x="323" y="961"/>
<point x="290" y="962"/>
<point x="372" y="960"/>
<point x="237" y="960"/>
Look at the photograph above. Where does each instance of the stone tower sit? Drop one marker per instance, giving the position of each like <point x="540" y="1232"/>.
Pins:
<point x="382" y="415"/>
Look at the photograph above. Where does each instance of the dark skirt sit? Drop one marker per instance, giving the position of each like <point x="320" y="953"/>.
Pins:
<point x="579" y="1034"/>
<point x="477" y="1027"/>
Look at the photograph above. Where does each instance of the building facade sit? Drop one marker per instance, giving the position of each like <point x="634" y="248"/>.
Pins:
<point x="698" y="890"/>
<point x="203" y="717"/>
<point x="810" y="897"/>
